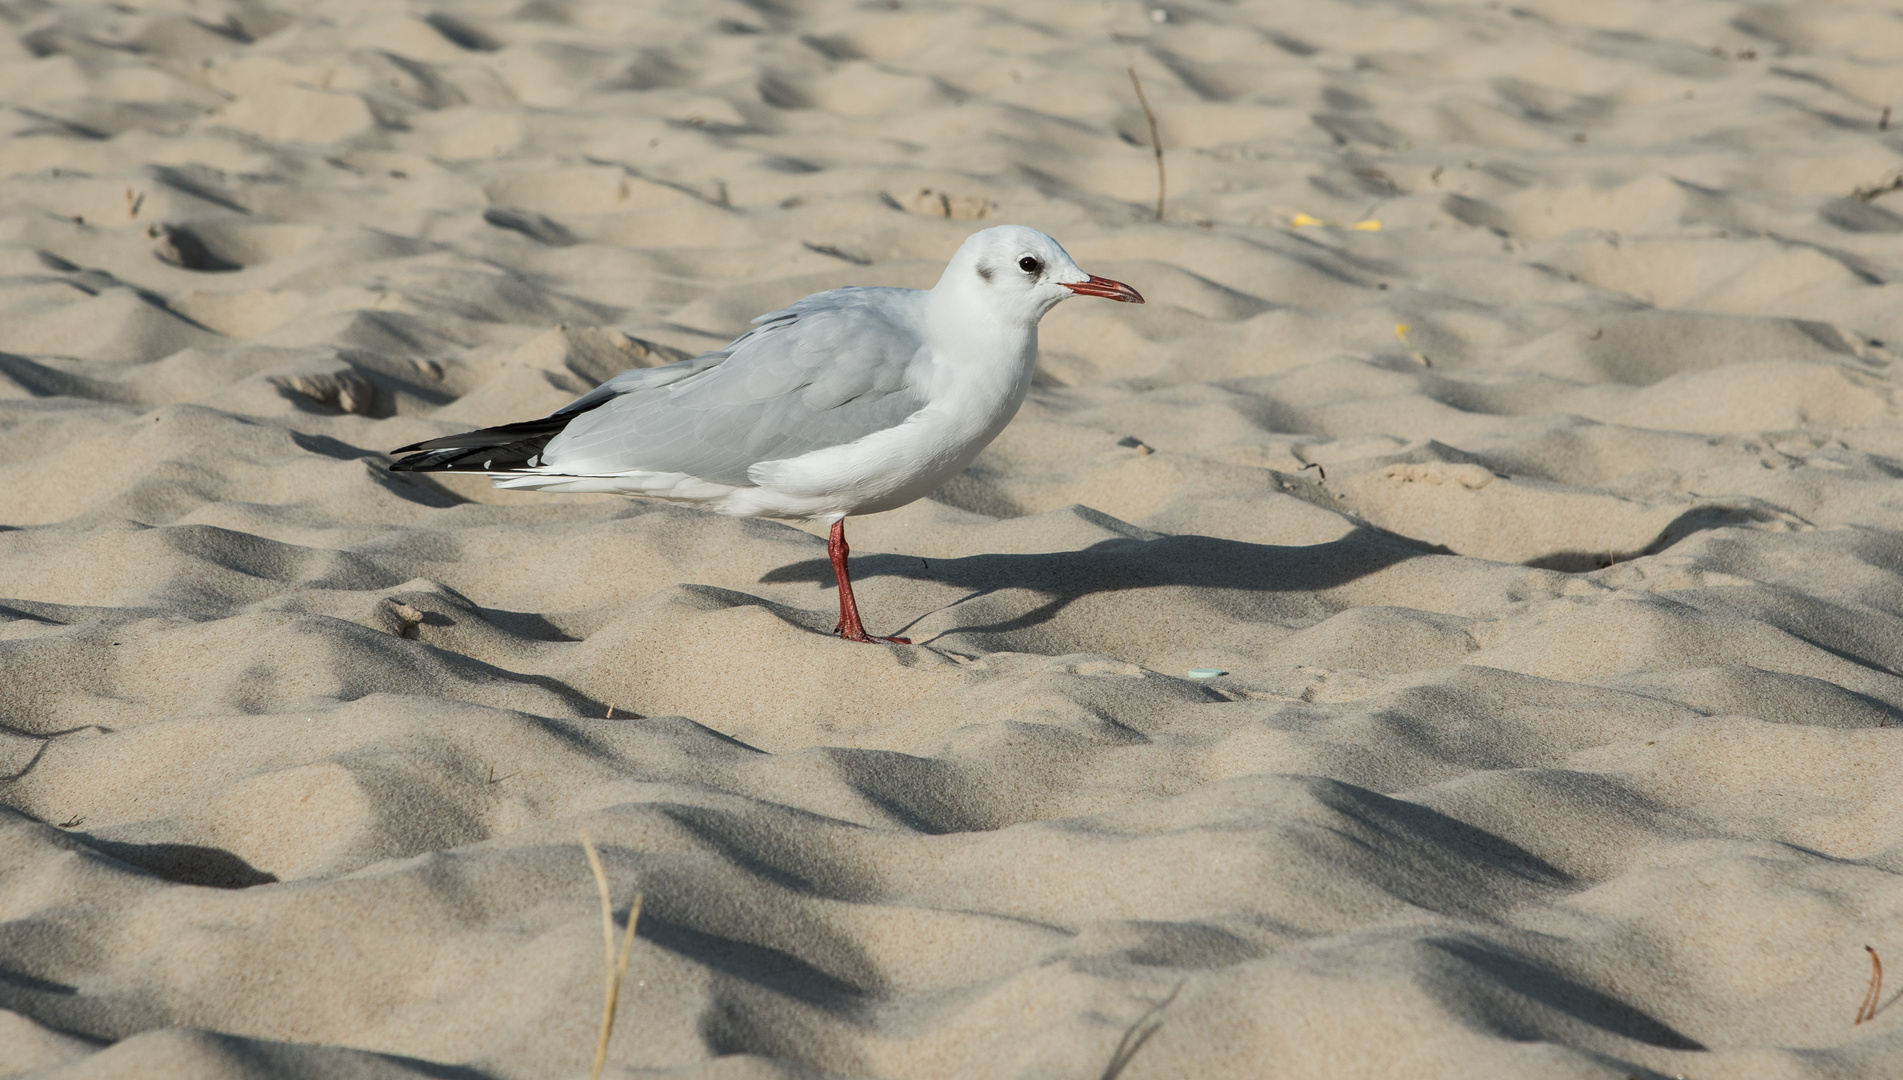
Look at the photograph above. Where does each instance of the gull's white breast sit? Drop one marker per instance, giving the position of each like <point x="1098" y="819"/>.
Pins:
<point x="969" y="405"/>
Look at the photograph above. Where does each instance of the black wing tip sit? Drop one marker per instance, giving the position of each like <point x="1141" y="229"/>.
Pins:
<point x="511" y="444"/>
<point x="484" y="456"/>
<point x="420" y="463"/>
<point x="423" y="456"/>
<point x="470" y="459"/>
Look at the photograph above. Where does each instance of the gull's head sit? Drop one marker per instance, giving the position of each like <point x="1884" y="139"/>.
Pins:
<point x="1020" y="273"/>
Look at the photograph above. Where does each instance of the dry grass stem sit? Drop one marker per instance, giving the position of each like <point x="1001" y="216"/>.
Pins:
<point x="1868" y="1010"/>
<point x="1156" y="141"/>
<point x="617" y="966"/>
<point x="1137" y="1034"/>
<point x="1867" y="194"/>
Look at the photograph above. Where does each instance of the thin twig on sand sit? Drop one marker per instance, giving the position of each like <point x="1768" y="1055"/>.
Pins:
<point x="617" y="967"/>
<point x="1137" y="1034"/>
<point x="1156" y="140"/>
<point x="1868" y="1010"/>
<point x="1867" y="194"/>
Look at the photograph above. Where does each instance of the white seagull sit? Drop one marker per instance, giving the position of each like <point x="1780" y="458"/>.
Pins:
<point x="850" y="401"/>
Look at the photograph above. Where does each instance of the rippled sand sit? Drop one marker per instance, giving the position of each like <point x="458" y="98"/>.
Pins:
<point x="1557" y="733"/>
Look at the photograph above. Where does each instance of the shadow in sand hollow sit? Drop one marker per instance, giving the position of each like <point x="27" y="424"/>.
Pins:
<point x="1533" y="982"/>
<point x="1120" y="564"/>
<point x="187" y="864"/>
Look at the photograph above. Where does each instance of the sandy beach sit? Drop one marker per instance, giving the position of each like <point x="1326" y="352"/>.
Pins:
<point x="1513" y="424"/>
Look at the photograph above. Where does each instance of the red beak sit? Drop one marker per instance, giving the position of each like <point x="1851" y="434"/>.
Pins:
<point x="1104" y="287"/>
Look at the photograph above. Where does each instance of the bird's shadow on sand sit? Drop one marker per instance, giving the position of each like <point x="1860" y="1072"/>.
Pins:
<point x="1123" y="563"/>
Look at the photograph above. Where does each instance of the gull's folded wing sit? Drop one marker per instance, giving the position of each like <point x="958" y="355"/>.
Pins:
<point x="516" y="446"/>
<point x="829" y="370"/>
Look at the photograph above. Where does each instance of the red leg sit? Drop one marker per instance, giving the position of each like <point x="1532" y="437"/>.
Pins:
<point x="849" y="626"/>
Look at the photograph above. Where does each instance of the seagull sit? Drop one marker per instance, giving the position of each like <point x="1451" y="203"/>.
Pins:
<point x="851" y="401"/>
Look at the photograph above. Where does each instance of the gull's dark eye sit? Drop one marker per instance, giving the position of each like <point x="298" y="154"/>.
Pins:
<point x="1029" y="265"/>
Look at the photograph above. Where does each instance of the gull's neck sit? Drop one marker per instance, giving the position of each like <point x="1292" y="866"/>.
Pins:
<point x="966" y="329"/>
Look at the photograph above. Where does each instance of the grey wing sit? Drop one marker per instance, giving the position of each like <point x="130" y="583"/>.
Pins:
<point x="829" y="370"/>
<point x="629" y="382"/>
